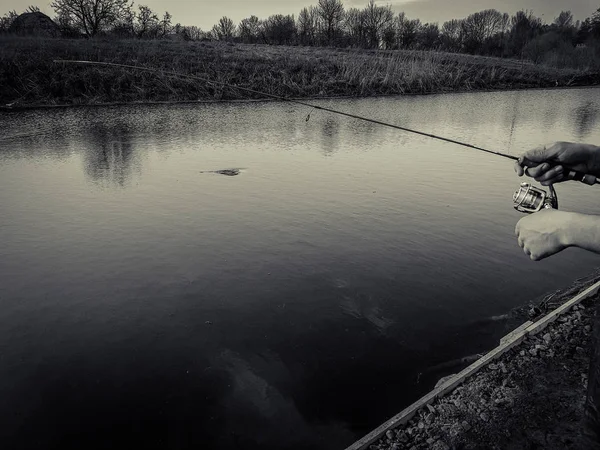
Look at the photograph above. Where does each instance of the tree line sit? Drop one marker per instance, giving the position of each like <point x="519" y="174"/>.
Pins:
<point x="330" y="23"/>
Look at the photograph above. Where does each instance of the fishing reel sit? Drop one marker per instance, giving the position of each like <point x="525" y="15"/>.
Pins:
<point x="529" y="199"/>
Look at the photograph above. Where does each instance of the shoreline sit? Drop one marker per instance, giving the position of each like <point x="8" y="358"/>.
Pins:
<point x="533" y="385"/>
<point x="42" y="106"/>
<point x="31" y="79"/>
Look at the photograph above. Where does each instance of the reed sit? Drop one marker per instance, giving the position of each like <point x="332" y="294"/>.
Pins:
<point x="28" y="75"/>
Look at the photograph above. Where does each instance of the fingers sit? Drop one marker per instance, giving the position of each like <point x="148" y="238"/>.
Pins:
<point x="551" y="176"/>
<point x="532" y="162"/>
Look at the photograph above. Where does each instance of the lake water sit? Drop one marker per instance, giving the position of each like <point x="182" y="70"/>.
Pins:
<point x="148" y="305"/>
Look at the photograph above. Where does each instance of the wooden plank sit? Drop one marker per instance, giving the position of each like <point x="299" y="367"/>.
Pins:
<point x="509" y="341"/>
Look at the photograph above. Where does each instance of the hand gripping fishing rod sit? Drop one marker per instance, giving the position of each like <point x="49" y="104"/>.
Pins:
<point x="527" y="199"/>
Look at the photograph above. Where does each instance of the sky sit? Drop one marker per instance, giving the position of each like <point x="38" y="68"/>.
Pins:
<point x="205" y="13"/>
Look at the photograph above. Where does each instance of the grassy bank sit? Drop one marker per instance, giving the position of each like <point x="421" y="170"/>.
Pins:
<point x="29" y="77"/>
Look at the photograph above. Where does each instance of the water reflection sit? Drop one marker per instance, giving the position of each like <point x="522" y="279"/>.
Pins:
<point x="110" y="156"/>
<point x="585" y="119"/>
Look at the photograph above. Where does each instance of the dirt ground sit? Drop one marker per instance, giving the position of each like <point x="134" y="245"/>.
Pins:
<point x="530" y="398"/>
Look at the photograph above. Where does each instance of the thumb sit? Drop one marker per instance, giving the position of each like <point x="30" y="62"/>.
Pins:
<point x="535" y="156"/>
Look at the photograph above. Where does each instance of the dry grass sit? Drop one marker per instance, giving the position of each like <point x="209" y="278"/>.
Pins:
<point x="29" y="77"/>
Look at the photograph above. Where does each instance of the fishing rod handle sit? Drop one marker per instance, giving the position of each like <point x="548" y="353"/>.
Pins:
<point x="580" y="176"/>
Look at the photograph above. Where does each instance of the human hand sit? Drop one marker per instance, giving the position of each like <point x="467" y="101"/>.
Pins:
<point x="550" y="164"/>
<point x="544" y="233"/>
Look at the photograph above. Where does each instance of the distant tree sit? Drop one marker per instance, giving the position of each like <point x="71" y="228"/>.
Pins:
<point x="331" y="13"/>
<point x="92" y="16"/>
<point x="308" y="25"/>
<point x="524" y="27"/>
<point x="279" y="29"/>
<point x="224" y="30"/>
<point x="377" y="20"/>
<point x="356" y="27"/>
<point x="33" y="9"/>
<point x="165" y="26"/>
<point x="564" y="19"/>
<point x="452" y="36"/>
<point x="147" y="24"/>
<point x="249" y="30"/>
<point x="408" y="31"/>
<point x="195" y="33"/>
<point x="125" y="26"/>
<point x="479" y="27"/>
<point x="7" y="20"/>
<point x="428" y="36"/>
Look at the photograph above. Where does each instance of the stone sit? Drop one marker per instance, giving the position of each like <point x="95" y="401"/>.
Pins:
<point x="431" y="409"/>
<point x="440" y="445"/>
<point x="547" y="338"/>
<point x="533" y="352"/>
<point x="484" y="417"/>
<point x="465" y="425"/>
<point x="389" y="434"/>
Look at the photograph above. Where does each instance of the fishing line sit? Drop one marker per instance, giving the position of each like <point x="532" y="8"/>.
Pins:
<point x="286" y="99"/>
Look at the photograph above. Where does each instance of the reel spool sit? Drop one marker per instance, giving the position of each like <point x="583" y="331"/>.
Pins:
<point x="529" y="199"/>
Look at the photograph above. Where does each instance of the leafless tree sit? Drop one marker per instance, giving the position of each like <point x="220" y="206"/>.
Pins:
<point x="564" y="20"/>
<point x="147" y="22"/>
<point x="407" y="30"/>
<point x="92" y="16"/>
<point x="249" y="29"/>
<point x="331" y="13"/>
<point x="481" y="26"/>
<point x="165" y="24"/>
<point x="451" y="35"/>
<point x="378" y="19"/>
<point x="308" y="25"/>
<point x="224" y="30"/>
<point x="356" y="27"/>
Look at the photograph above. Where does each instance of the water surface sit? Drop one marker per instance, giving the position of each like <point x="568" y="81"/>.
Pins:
<point x="292" y="306"/>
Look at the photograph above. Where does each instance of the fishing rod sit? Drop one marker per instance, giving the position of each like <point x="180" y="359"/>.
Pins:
<point x="527" y="199"/>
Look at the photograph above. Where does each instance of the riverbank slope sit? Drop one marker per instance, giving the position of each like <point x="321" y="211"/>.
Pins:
<point x="531" y="396"/>
<point x="30" y="77"/>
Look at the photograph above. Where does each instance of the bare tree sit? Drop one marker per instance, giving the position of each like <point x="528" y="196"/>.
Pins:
<point x="378" y="19"/>
<point x="564" y="20"/>
<point x="147" y="22"/>
<point x="7" y="20"/>
<point x="407" y="30"/>
<point x="308" y="25"/>
<point x="356" y="27"/>
<point x="92" y="16"/>
<point x="165" y="24"/>
<point x="224" y="30"/>
<point x="249" y="29"/>
<point x="332" y="15"/>
<point x="451" y="35"/>
<point x="481" y="26"/>
<point x="279" y="29"/>
<point x="195" y="33"/>
<point x="428" y="36"/>
<point x="33" y="9"/>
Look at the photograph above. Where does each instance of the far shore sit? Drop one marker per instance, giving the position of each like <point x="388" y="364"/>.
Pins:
<point x="30" y="79"/>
